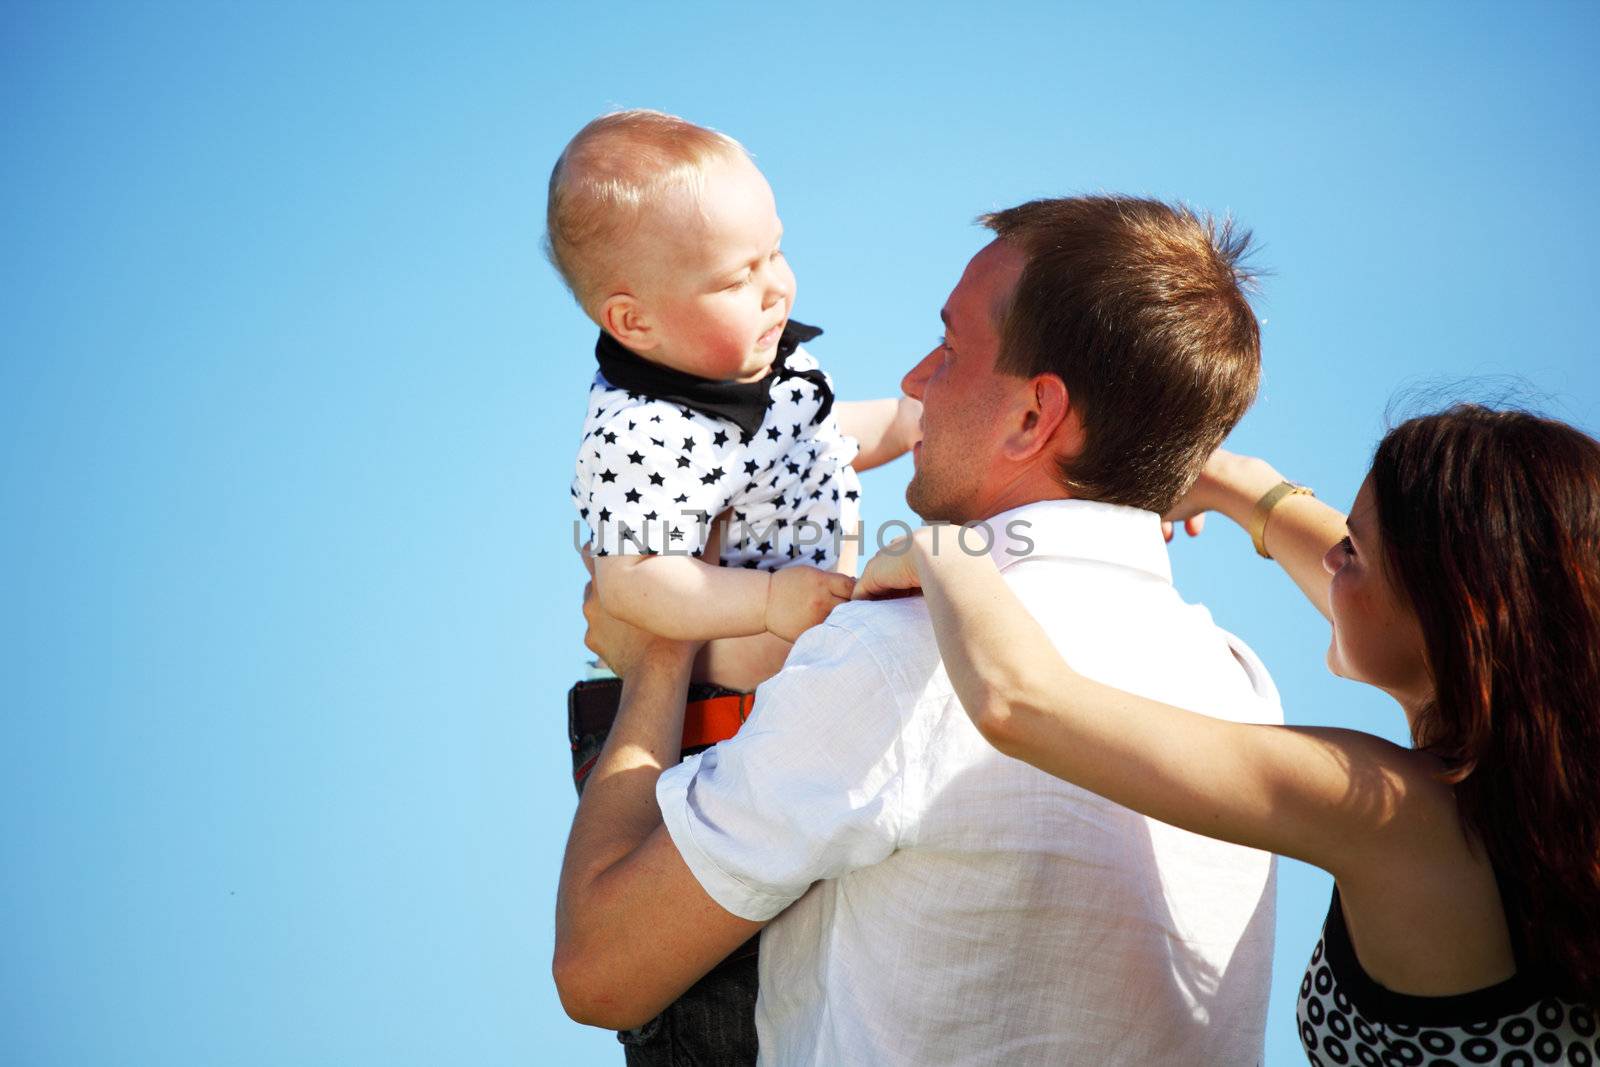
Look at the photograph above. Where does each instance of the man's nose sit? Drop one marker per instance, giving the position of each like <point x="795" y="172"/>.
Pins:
<point x="917" y="376"/>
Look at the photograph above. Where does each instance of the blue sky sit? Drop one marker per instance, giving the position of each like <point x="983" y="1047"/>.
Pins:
<point x="289" y="399"/>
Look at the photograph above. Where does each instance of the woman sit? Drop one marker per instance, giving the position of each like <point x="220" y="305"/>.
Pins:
<point x="1465" y="921"/>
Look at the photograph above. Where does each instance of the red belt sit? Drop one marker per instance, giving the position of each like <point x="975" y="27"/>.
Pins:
<point x="705" y="722"/>
<point x="593" y="706"/>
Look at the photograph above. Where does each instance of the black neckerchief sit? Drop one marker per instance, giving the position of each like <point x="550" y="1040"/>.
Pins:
<point x="744" y="404"/>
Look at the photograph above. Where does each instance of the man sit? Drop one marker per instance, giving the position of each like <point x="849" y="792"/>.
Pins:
<point x="931" y="901"/>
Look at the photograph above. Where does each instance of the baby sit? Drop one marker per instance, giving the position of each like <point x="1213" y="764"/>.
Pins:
<point x="705" y="405"/>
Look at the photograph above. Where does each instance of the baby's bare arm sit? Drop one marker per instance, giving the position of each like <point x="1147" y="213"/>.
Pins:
<point x="681" y="597"/>
<point x="689" y="600"/>
<point x="885" y="429"/>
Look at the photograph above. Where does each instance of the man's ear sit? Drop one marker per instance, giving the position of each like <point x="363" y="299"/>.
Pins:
<point x="1048" y="422"/>
<point x="624" y="317"/>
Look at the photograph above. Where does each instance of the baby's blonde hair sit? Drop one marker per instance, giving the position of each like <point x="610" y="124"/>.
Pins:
<point x="616" y="168"/>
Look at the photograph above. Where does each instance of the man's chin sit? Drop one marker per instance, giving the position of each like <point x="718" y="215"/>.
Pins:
<point x="927" y="506"/>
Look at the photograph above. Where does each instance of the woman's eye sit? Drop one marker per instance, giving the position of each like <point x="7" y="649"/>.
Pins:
<point x="1347" y="546"/>
<point x="777" y="254"/>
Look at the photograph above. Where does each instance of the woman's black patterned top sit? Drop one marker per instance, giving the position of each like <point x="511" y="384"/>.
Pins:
<point x="1347" y="1018"/>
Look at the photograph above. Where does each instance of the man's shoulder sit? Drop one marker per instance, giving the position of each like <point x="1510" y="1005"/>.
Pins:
<point x="890" y="639"/>
<point x="880" y="621"/>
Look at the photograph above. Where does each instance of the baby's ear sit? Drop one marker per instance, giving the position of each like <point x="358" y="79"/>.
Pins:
<point x="623" y="317"/>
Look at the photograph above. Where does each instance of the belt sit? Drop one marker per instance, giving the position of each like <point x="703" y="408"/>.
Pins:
<point x="712" y="714"/>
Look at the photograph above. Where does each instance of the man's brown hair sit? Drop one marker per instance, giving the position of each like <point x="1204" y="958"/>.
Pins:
<point x="1139" y="307"/>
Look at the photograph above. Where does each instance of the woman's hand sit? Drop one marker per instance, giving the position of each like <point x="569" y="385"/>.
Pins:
<point x="893" y="571"/>
<point x="1229" y="483"/>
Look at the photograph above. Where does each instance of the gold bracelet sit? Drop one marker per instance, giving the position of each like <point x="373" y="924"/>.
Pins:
<point x="1269" y="500"/>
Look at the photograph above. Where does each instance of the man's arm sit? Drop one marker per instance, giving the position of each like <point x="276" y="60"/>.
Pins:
<point x="634" y="929"/>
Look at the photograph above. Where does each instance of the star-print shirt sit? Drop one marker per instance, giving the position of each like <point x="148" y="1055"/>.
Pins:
<point x="653" y="474"/>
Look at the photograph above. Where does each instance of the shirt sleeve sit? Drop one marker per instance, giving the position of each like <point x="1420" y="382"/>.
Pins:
<point x="647" y="487"/>
<point x="812" y="787"/>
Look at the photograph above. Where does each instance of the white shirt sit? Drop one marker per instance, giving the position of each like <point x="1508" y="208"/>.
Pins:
<point x="652" y="474"/>
<point x="937" y="902"/>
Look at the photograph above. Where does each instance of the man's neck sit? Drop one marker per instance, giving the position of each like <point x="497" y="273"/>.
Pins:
<point x="1029" y="486"/>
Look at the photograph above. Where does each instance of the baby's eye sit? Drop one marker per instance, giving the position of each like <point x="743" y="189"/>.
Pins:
<point x="740" y="284"/>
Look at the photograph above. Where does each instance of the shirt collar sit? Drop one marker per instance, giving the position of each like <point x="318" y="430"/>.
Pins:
<point x="1081" y="530"/>
<point x="744" y="404"/>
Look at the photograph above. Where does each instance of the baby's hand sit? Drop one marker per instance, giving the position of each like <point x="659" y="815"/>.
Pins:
<point x="799" y="597"/>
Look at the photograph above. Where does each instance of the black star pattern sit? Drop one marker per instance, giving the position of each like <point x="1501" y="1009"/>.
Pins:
<point x="851" y="494"/>
<point x="772" y="485"/>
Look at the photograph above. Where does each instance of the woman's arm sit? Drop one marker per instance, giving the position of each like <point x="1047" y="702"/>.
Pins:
<point x="1329" y="797"/>
<point x="1300" y="529"/>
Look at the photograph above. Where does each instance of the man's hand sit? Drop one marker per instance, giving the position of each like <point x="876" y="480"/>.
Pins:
<point x="621" y="645"/>
<point x="799" y="597"/>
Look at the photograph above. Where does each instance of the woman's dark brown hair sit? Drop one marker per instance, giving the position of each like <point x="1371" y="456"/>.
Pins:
<point x="1491" y="522"/>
